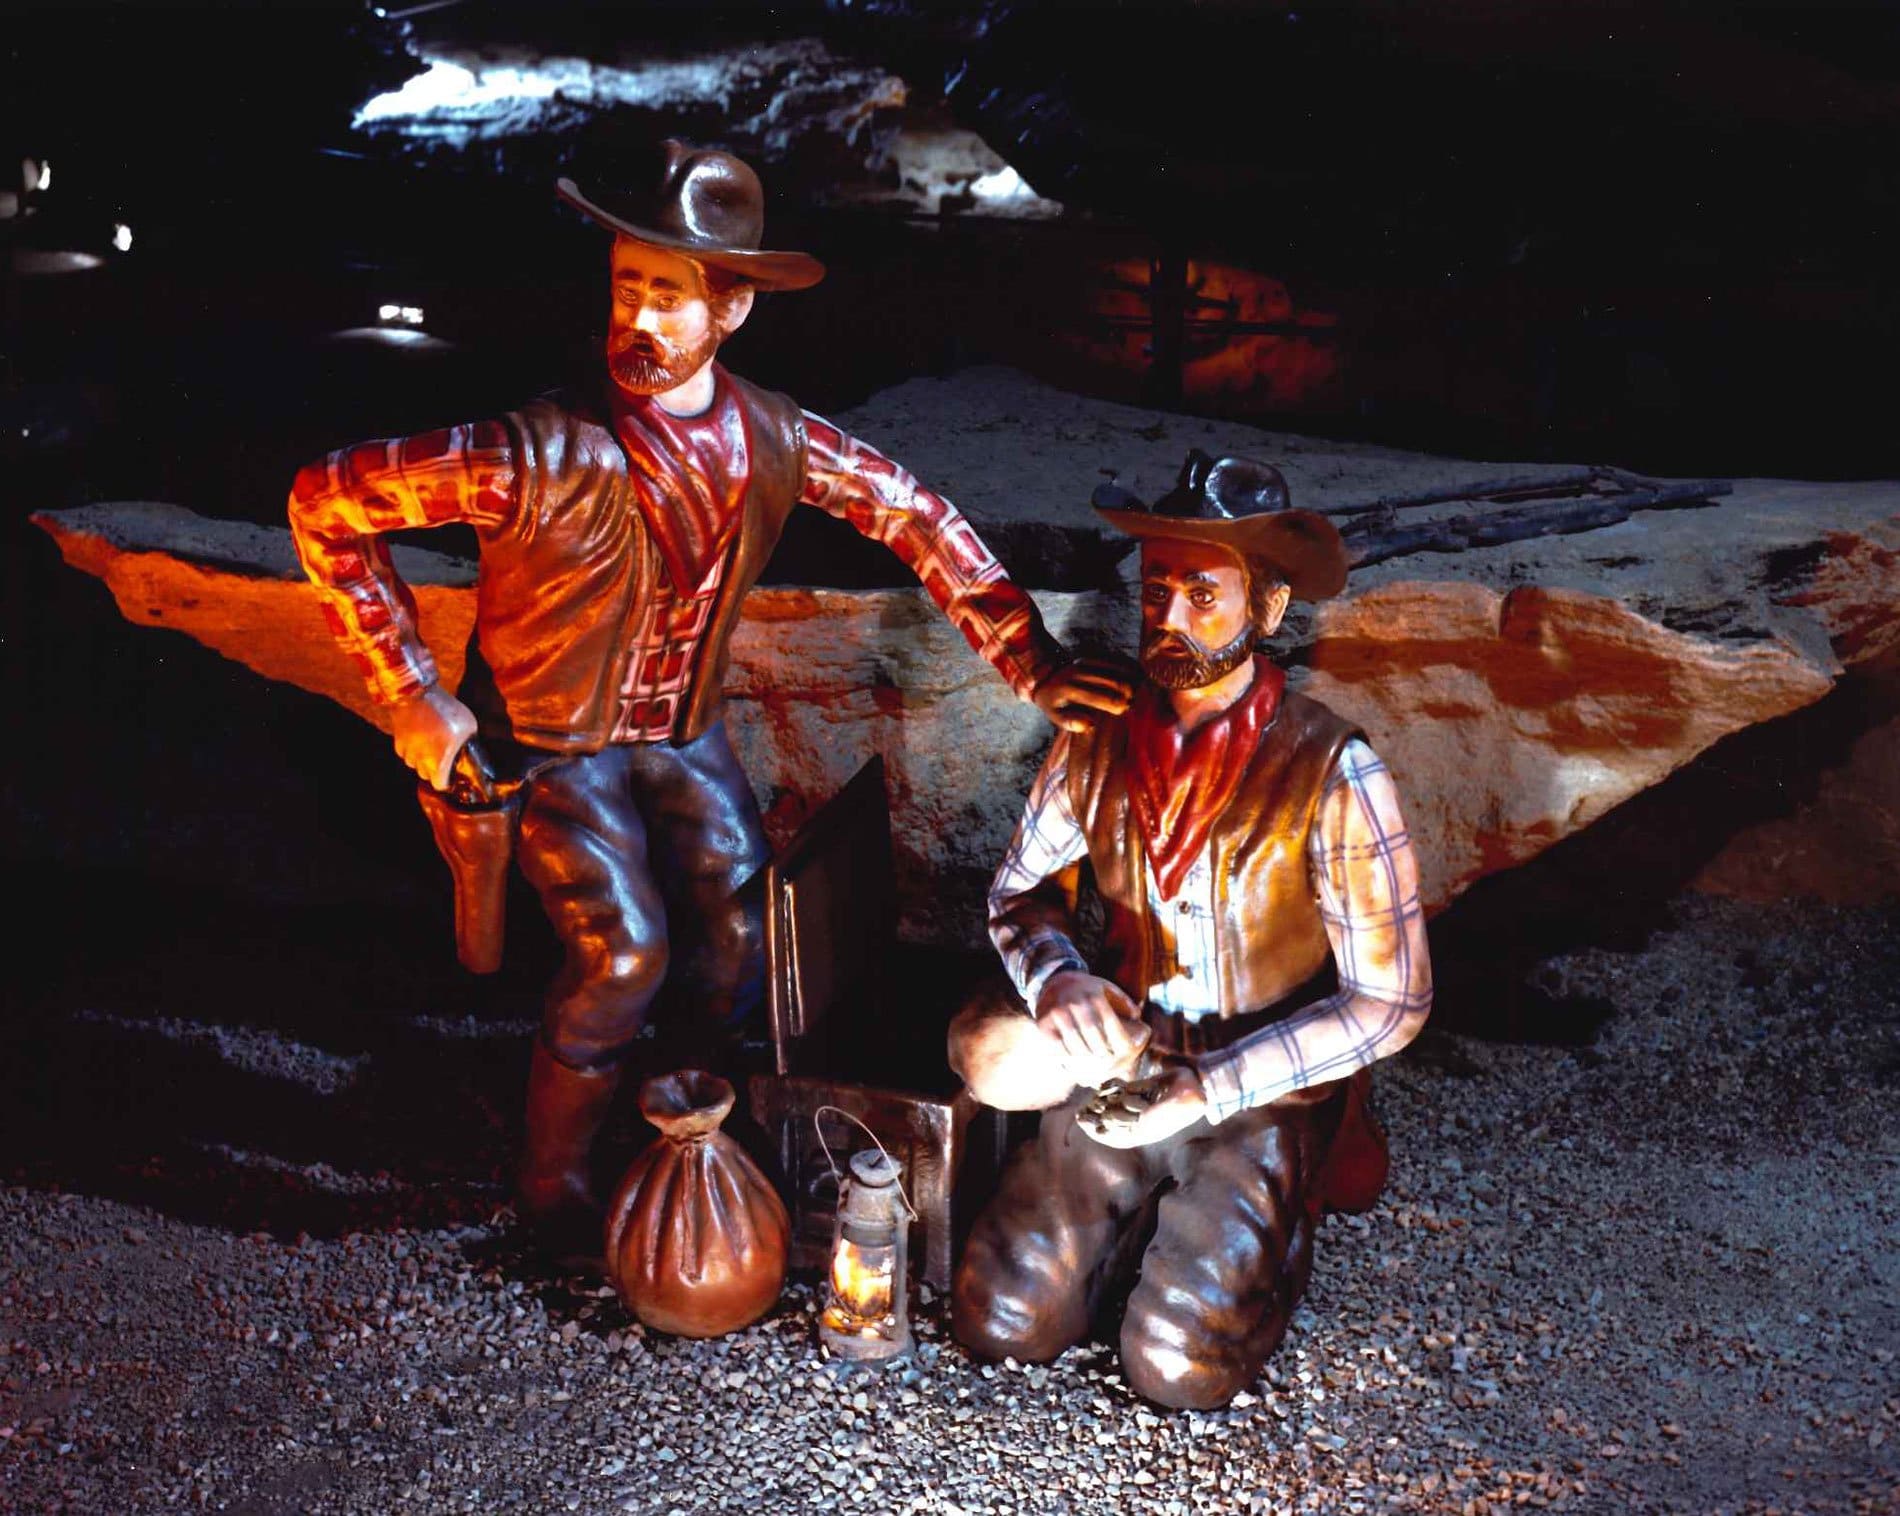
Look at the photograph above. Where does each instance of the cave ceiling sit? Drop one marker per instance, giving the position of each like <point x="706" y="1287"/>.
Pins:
<point x="1444" y="137"/>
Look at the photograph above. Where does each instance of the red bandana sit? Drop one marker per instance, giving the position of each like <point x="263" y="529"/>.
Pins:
<point x="1180" y="782"/>
<point x="689" y="475"/>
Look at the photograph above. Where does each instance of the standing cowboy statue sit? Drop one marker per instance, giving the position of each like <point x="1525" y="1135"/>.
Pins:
<point x="1197" y="1076"/>
<point x="619" y="534"/>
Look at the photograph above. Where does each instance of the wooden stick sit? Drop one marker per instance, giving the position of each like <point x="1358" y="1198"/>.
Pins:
<point x="1579" y="478"/>
<point x="1374" y="542"/>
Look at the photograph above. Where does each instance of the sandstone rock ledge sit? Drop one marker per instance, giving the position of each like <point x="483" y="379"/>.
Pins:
<point x="1518" y="692"/>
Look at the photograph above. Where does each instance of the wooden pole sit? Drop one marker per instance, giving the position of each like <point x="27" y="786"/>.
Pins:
<point x="1167" y="304"/>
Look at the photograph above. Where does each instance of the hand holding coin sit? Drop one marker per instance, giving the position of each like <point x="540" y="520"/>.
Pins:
<point x="1134" y="1113"/>
<point x="1118" y="1101"/>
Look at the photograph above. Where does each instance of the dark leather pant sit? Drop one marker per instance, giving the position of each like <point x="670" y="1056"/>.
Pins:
<point x="640" y="854"/>
<point x="1229" y="1259"/>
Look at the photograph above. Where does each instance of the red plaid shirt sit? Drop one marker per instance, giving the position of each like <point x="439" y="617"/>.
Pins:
<point x="691" y="474"/>
<point x="667" y="634"/>
<point x="341" y="507"/>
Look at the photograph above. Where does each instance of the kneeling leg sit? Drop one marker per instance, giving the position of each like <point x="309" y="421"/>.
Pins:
<point x="1229" y="1260"/>
<point x="1031" y="1269"/>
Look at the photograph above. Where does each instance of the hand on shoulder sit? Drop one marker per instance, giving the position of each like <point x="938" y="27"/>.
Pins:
<point x="1084" y="689"/>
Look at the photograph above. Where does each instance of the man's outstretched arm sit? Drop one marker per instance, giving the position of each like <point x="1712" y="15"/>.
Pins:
<point x="882" y="500"/>
<point x="340" y="508"/>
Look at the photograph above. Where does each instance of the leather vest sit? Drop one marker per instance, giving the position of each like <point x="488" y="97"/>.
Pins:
<point x="562" y="580"/>
<point x="1269" y="937"/>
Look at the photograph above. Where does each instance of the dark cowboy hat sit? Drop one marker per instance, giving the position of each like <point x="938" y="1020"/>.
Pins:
<point x="707" y="206"/>
<point x="1238" y="504"/>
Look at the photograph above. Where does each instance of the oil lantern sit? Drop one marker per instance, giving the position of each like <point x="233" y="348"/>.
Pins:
<point x="867" y="1310"/>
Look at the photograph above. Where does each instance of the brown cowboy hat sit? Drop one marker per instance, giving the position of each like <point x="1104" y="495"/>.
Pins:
<point x="708" y="206"/>
<point x="1238" y="504"/>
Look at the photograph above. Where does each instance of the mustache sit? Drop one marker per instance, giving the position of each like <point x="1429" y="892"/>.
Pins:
<point x="643" y="347"/>
<point x="644" y="375"/>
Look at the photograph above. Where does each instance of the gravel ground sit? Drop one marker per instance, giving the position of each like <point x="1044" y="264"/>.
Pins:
<point x="1659" y="1273"/>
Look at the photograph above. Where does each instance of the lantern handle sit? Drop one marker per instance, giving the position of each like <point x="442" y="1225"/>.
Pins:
<point x="818" y="1127"/>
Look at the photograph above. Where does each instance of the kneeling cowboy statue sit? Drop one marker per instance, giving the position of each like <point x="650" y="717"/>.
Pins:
<point x="1238" y="836"/>
<point x="619" y="532"/>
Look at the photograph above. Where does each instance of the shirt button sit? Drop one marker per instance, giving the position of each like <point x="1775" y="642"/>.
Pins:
<point x="1185" y="907"/>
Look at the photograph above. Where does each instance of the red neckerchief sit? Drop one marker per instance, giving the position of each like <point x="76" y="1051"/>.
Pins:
<point x="689" y="475"/>
<point x="1180" y="782"/>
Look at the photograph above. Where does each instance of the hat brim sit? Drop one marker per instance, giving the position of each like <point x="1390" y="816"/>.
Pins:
<point x="767" y="269"/>
<point x="1303" y="545"/>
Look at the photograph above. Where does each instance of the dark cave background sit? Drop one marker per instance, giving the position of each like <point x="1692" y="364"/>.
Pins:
<point x="1661" y="236"/>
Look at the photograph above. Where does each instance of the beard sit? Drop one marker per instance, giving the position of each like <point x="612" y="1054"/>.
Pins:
<point x="1180" y="663"/>
<point x="647" y="365"/>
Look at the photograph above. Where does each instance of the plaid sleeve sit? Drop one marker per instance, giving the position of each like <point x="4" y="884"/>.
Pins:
<point x="341" y="506"/>
<point x="1360" y="856"/>
<point x="856" y="483"/>
<point x="1027" y="909"/>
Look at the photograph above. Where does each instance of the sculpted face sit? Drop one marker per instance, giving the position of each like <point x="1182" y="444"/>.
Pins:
<point x="1196" y="625"/>
<point x="662" y="328"/>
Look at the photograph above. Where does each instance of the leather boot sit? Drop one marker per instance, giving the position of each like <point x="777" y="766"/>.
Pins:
<point x="554" y="1191"/>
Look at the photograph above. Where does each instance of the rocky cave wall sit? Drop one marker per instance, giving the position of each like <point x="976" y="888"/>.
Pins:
<point x="1520" y="692"/>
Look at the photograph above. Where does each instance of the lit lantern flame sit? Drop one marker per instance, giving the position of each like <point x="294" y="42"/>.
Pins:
<point x="861" y="1278"/>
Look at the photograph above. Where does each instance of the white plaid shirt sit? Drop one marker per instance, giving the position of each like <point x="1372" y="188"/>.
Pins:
<point x="1364" y="875"/>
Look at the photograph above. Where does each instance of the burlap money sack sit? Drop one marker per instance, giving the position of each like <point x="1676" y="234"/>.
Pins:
<point x="696" y="1235"/>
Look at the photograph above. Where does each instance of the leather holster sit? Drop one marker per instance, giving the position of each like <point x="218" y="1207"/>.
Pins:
<point x="477" y="841"/>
